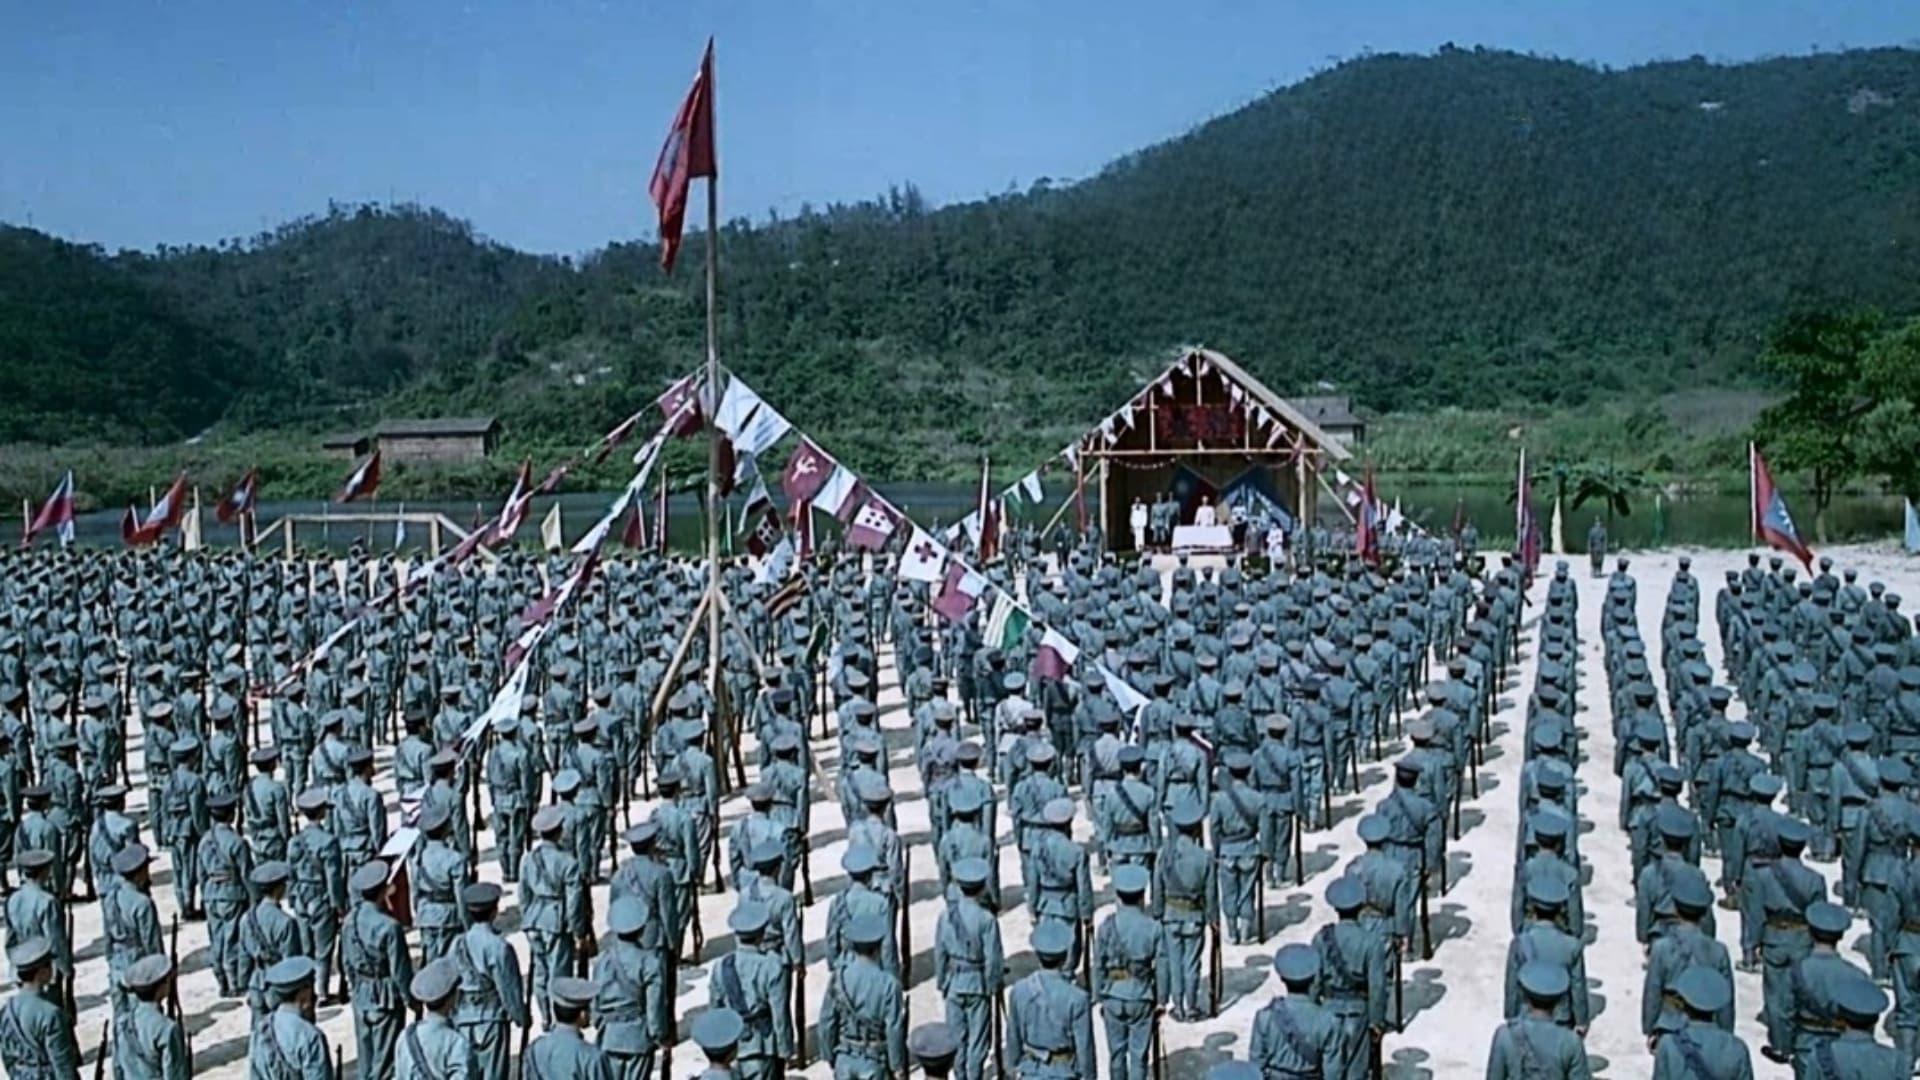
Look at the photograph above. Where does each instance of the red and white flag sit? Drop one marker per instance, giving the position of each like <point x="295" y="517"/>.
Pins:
<point x="923" y="558"/>
<point x="687" y="153"/>
<point x="164" y="515"/>
<point x="634" y="536"/>
<point x="959" y="592"/>
<point x="807" y="472"/>
<point x="681" y="406"/>
<point x="552" y="483"/>
<point x="241" y="500"/>
<point x="56" y="513"/>
<point x="364" y="482"/>
<point x="839" y="495"/>
<point x="1055" y="657"/>
<point x="614" y="438"/>
<point x="872" y="527"/>
<point x="514" y="511"/>
<point x="989" y="516"/>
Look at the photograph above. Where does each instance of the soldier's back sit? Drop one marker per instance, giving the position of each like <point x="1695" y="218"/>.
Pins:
<point x="1530" y="1048"/>
<point x="1293" y="1036"/>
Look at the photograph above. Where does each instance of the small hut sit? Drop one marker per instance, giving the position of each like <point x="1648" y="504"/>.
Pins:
<point x="438" y="442"/>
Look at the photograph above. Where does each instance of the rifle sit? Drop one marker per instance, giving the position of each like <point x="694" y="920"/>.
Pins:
<point x="1159" y="1050"/>
<point x="1399" y="981"/>
<point x="1473" y="766"/>
<point x="1085" y="931"/>
<point x="800" y="1014"/>
<point x="1426" y="928"/>
<point x="173" y="984"/>
<point x="1213" y="967"/>
<point x="806" y="874"/>
<point x="1260" y="898"/>
<point x="1299" y="854"/>
<point x="906" y="928"/>
<point x="1458" y="796"/>
<point x="339" y="1064"/>
<point x="995" y="1007"/>
<point x="106" y="1047"/>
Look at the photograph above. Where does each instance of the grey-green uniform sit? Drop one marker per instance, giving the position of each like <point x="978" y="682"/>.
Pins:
<point x="554" y="908"/>
<point x="1049" y="1032"/>
<point x="563" y="1052"/>
<point x="268" y="935"/>
<point x="318" y="896"/>
<point x="36" y="1039"/>
<point x="378" y="969"/>
<point x="1532" y="1046"/>
<point x="492" y="996"/>
<point x="754" y="981"/>
<point x="286" y="1045"/>
<point x="969" y="965"/>
<point x="33" y="912"/>
<point x="1695" y="1046"/>
<point x="1292" y="1035"/>
<point x="1853" y="1051"/>
<point x="131" y="920"/>
<point x="1542" y="941"/>
<point x="631" y="980"/>
<point x="1129" y="980"/>
<point x="1815" y="988"/>
<point x="432" y="1048"/>
<point x="1234" y="822"/>
<point x="1186" y="903"/>
<point x="224" y="864"/>
<point x="1353" y="978"/>
<point x="863" y="1022"/>
<point x="149" y="1044"/>
<point x="439" y="873"/>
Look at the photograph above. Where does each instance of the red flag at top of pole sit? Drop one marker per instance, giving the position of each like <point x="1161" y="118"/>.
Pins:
<point x="989" y="511"/>
<point x="240" y="501"/>
<point x="1771" y="521"/>
<point x="687" y="153"/>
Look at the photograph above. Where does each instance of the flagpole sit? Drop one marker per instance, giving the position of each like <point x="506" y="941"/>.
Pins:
<point x="721" y="728"/>
<point x="1753" y="500"/>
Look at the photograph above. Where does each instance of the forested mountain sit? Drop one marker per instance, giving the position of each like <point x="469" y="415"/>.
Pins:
<point x="1468" y="228"/>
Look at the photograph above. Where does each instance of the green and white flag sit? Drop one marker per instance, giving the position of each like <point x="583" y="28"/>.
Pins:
<point x="1007" y="623"/>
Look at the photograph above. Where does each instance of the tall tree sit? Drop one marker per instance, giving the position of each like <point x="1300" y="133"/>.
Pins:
<point x="1820" y="359"/>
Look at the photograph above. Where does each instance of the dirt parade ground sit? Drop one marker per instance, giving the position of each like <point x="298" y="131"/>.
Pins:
<point x="1453" y="1002"/>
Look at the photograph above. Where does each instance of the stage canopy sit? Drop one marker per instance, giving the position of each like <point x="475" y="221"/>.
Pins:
<point x="1203" y="429"/>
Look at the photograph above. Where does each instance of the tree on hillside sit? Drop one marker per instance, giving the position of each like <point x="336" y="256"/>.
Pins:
<point x="1886" y="439"/>
<point x="1820" y="358"/>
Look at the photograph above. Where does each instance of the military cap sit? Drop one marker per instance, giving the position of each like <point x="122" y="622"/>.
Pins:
<point x="749" y="919"/>
<point x="1650" y="733"/>
<point x="265" y="755"/>
<point x="445" y="759"/>
<point x="759" y="793"/>
<point x="1015" y="681"/>
<point x="34" y="860"/>
<point x="1719" y="696"/>
<point x="1543" y="982"/>
<point x="314" y="798"/>
<point x="1675" y="823"/>
<point x="1186" y="813"/>
<point x="1237" y="760"/>
<point x="873" y="788"/>
<point x="370" y="876"/>
<point x="1548" y="735"/>
<point x="480" y="894"/>
<point x="30" y="954"/>
<point x="859" y="859"/>
<point x="1895" y="773"/>
<point x="1058" y="812"/>
<point x="1051" y="939"/>
<point x="1702" y="990"/>
<point x="933" y="1044"/>
<point x="1297" y="963"/>
<point x="1823" y="703"/>
<point x="550" y="819"/>
<point x="435" y="818"/>
<point x="1421" y="730"/>
<point x="1691" y="894"/>
<point x="1828" y="920"/>
<point x="1131" y="755"/>
<point x="765" y="854"/>
<point x="717" y="1031"/>
<point x="358" y="756"/>
<point x="643" y="834"/>
<point x="1277" y="723"/>
<point x="1374" y="829"/>
<point x="1548" y="825"/>
<point x="1910" y="678"/>
<point x="147" y="972"/>
<point x="1859" y="1000"/>
<point x="1764" y="784"/>
<point x="566" y="781"/>
<point x="1207" y="660"/>
<point x="785" y="744"/>
<point x="864" y="743"/>
<point x="1406" y="767"/>
<point x="573" y="993"/>
<point x="1547" y="893"/>
<point x="1793" y="832"/>
<point x="270" y="873"/>
<point x="866" y="930"/>
<point x="1741" y="732"/>
<point x="36" y="791"/>
<point x="972" y="871"/>
<point x="435" y="982"/>
<point x="130" y="858"/>
<point x="291" y="974"/>
<point x="185" y="746"/>
<point x="1346" y="894"/>
<point x="221" y="801"/>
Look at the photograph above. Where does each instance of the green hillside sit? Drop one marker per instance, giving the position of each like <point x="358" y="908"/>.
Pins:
<point x="1469" y="229"/>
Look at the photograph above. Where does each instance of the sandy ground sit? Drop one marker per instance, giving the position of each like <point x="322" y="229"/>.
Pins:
<point x="1453" y="1002"/>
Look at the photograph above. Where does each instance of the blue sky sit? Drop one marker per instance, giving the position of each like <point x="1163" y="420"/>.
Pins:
<point x="141" y="122"/>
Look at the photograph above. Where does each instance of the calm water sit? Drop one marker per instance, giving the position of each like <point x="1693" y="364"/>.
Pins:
<point x="1705" y="520"/>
